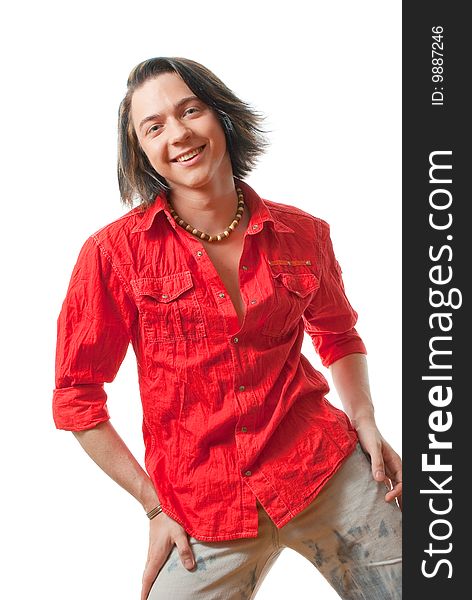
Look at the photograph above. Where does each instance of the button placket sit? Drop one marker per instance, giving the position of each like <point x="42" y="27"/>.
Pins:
<point x="247" y="404"/>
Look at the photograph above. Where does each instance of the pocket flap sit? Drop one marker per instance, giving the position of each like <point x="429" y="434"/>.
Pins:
<point x="163" y="289"/>
<point x="300" y="284"/>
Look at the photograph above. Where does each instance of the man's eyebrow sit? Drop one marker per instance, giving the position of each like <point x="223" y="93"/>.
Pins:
<point x="176" y="106"/>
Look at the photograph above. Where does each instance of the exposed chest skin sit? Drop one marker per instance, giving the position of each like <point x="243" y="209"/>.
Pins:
<point x="225" y="256"/>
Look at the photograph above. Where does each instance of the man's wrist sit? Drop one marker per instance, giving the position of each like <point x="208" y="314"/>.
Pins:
<point x="154" y="512"/>
<point x="148" y="497"/>
<point x="363" y="419"/>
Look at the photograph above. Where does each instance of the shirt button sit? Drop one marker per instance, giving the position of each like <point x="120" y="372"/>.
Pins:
<point x="199" y="253"/>
<point x="221" y="295"/>
<point x="255" y="226"/>
<point x="248" y="473"/>
<point x="165" y="295"/>
<point x="244" y="268"/>
<point x="241" y="388"/>
<point x="236" y="340"/>
<point x="253" y="301"/>
<point x="244" y="429"/>
<point x="308" y="262"/>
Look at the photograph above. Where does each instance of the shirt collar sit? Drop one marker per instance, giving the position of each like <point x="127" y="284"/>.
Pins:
<point x="260" y="212"/>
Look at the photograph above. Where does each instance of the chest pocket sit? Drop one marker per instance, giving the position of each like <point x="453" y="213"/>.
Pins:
<point x="293" y="291"/>
<point x="169" y="308"/>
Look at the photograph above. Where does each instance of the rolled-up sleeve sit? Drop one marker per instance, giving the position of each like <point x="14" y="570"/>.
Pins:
<point x="93" y="334"/>
<point x="330" y="318"/>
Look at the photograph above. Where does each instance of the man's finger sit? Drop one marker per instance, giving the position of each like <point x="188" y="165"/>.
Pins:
<point x="395" y="492"/>
<point x="185" y="552"/>
<point x="377" y="464"/>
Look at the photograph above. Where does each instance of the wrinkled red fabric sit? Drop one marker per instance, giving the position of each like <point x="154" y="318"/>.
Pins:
<point x="231" y="413"/>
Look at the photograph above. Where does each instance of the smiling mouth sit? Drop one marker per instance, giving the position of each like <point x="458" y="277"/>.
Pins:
<point x="189" y="155"/>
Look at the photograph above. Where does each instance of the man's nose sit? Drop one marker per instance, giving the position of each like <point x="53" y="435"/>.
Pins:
<point x="178" y="131"/>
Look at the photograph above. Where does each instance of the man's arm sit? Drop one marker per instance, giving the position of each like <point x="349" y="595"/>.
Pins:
<point x="351" y="380"/>
<point x="104" y="446"/>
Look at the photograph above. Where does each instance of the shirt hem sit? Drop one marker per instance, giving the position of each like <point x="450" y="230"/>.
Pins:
<point x="309" y="499"/>
<point x="209" y="538"/>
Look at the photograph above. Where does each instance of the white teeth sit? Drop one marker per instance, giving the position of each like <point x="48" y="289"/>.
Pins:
<point x="189" y="155"/>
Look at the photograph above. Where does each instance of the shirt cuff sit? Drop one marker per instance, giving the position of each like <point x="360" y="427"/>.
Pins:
<point x="79" y="407"/>
<point x="339" y="345"/>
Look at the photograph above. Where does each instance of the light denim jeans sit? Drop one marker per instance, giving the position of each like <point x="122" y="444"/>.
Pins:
<point x="349" y="533"/>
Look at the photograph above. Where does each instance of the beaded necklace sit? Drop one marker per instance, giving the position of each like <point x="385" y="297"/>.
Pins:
<point x="206" y="236"/>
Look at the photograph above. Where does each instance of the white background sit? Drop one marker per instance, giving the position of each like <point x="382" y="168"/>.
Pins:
<point x="327" y="75"/>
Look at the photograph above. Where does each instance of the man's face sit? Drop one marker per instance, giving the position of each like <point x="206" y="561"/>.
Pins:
<point x="180" y="134"/>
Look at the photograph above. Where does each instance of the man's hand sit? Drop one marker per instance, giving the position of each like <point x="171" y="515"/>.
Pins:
<point x="164" y="532"/>
<point x="386" y="463"/>
<point x="351" y="380"/>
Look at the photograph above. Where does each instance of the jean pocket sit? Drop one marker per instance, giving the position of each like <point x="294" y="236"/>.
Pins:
<point x="293" y="293"/>
<point x="169" y="308"/>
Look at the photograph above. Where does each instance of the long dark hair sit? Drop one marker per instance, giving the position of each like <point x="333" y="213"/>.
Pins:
<point x="242" y="125"/>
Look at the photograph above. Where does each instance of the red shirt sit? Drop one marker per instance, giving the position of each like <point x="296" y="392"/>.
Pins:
<point x="230" y="413"/>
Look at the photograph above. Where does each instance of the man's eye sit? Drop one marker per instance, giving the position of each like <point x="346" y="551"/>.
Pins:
<point x="153" y="128"/>
<point x="191" y="110"/>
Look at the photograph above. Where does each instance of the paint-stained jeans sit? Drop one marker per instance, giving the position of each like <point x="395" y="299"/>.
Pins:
<point x="349" y="533"/>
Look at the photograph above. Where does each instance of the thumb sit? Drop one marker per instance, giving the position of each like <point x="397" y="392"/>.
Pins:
<point x="185" y="552"/>
<point x="378" y="468"/>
